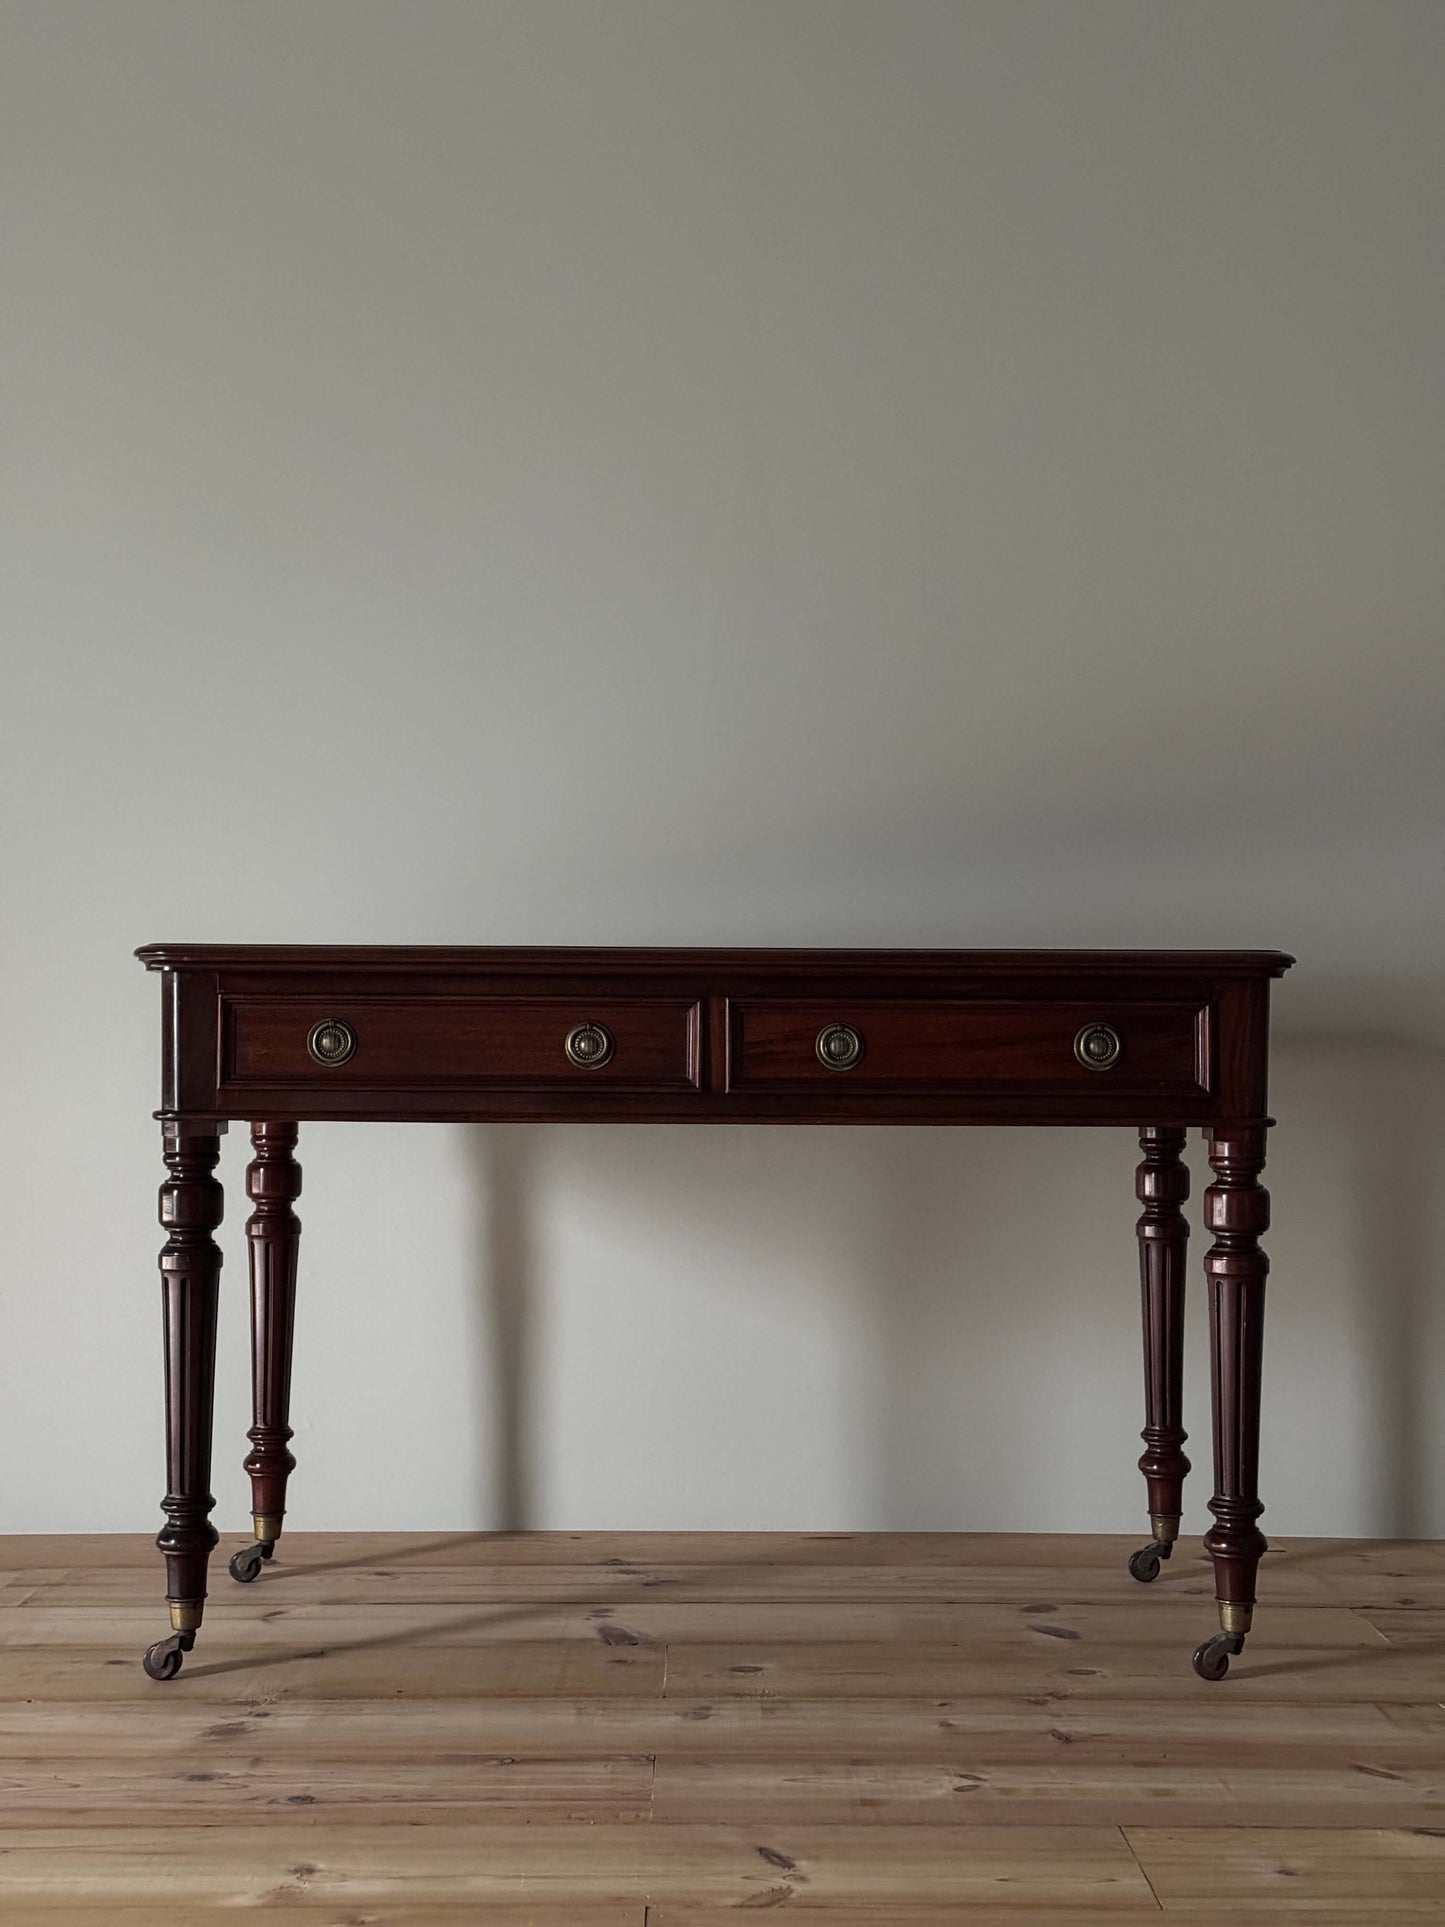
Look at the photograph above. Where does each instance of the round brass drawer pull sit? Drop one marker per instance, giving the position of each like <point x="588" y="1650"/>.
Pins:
<point x="1097" y="1046"/>
<point x="839" y="1046"/>
<point x="331" y="1041"/>
<point x="589" y="1046"/>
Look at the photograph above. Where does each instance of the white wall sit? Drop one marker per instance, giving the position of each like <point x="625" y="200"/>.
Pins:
<point x="763" y="471"/>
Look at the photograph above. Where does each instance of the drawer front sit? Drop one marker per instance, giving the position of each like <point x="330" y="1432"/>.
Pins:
<point x="1074" y="1047"/>
<point x="481" y="1043"/>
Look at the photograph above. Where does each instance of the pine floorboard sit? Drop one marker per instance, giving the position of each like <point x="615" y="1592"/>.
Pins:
<point x="664" y="1730"/>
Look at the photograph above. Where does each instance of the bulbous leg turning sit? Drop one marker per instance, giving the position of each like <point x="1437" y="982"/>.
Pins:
<point x="191" y="1204"/>
<point x="273" y="1232"/>
<point x="1162" y="1184"/>
<point x="1236" y="1210"/>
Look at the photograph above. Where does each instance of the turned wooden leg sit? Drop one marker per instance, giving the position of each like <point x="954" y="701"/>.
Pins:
<point x="191" y="1203"/>
<point x="273" y="1183"/>
<point x="1236" y="1210"/>
<point x="1162" y="1184"/>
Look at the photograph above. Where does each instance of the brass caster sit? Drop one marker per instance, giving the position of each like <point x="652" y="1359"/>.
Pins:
<point x="1211" y="1660"/>
<point x="163" y="1660"/>
<point x="1144" y="1564"/>
<point x="245" y="1564"/>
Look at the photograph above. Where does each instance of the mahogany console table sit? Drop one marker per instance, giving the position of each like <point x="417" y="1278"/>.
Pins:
<point x="1158" y="1040"/>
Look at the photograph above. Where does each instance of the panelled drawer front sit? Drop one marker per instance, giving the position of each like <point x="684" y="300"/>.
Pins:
<point x="482" y="1042"/>
<point x="774" y="1045"/>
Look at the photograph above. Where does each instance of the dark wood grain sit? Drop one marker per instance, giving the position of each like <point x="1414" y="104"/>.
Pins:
<point x="1240" y="1047"/>
<point x="1162" y="1185"/>
<point x="941" y="1043"/>
<point x="273" y="1233"/>
<point x="709" y="1036"/>
<point x="1236" y="1210"/>
<point x="478" y="1042"/>
<point x="960" y="965"/>
<point x="713" y="1035"/>
<point x="191" y="1204"/>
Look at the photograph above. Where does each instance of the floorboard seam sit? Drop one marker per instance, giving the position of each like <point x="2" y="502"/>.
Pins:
<point x="1124" y="1836"/>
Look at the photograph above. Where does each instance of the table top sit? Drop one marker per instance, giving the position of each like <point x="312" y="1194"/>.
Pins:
<point x="301" y="956"/>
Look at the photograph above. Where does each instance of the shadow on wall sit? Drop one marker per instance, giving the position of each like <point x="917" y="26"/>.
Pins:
<point x="1357" y="1313"/>
<point x="914" y="1328"/>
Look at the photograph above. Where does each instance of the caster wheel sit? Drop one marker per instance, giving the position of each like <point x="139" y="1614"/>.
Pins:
<point x="1144" y="1565"/>
<point x="245" y="1564"/>
<point x="163" y="1660"/>
<point x="1211" y="1660"/>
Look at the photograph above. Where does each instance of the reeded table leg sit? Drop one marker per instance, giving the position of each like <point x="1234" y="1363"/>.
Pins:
<point x="1236" y="1210"/>
<point x="1162" y="1185"/>
<point x="191" y="1203"/>
<point x="273" y="1183"/>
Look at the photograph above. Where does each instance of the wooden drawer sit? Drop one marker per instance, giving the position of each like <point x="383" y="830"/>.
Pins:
<point x="774" y="1045"/>
<point x="483" y="1043"/>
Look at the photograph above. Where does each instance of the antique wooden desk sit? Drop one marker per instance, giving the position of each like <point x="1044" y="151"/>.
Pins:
<point x="1158" y="1040"/>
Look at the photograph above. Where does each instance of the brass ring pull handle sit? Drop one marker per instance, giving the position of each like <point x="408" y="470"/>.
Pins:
<point x="1097" y="1046"/>
<point x="839" y="1046"/>
<point x="589" y="1046"/>
<point x="331" y="1041"/>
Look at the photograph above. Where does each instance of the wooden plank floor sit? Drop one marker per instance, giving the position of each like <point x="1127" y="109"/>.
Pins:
<point x="663" y="1730"/>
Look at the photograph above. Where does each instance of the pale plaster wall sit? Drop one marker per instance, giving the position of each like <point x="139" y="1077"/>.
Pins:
<point x="751" y="472"/>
